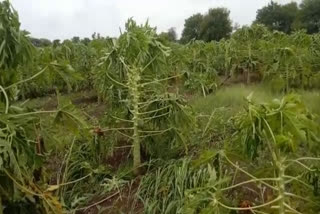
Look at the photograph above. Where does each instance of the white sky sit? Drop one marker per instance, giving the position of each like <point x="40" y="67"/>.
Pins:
<point x="62" y="19"/>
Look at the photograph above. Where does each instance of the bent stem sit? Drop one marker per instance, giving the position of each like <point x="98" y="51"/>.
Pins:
<point x="278" y="162"/>
<point x="6" y="98"/>
<point x="28" y="79"/>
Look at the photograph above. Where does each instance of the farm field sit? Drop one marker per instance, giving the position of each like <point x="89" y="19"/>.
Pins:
<point x="145" y="124"/>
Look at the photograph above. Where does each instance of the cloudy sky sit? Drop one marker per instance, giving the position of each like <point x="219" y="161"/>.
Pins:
<point x="67" y="18"/>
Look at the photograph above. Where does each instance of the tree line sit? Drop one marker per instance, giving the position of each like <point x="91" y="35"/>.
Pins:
<point x="216" y="23"/>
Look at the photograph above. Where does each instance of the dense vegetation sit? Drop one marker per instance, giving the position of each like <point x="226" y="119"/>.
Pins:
<point x="216" y="24"/>
<point x="142" y="124"/>
<point x="291" y="16"/>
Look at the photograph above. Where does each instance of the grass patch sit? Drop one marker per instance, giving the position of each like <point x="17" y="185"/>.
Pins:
<point x="231" y="98"/>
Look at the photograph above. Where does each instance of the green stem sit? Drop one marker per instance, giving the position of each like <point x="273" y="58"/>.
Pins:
<point x="6" y="98"/>
<point x="60" y="192"/>
<point x="26" y="80"/>
<point x="247" y="182"/>
<point x="203" y="91"/>
<point x="33" y="113"/>
<point x="248" y="174"/>
<point x="280" y="169"/>
<point x="247" y="208"/>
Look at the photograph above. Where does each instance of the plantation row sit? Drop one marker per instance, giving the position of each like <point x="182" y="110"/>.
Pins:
<point x="256" y="54"/>
<point x="151" y="151"/>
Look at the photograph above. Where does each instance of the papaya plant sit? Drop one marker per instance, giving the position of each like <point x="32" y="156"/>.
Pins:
<point x="22" y="152"/>
<point x="283" y="129"/>
<point x="134" y="73"/>
<point x="15" y="47"/>
<point x="248" y="41"/>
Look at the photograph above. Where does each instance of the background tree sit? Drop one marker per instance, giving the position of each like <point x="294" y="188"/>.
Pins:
<point x="192" y="28"/>
<point x="310" y="15"/>
<point x="85" y="41"/>
<point x="279" y="17"/>
<point x="170" y="35"/>
<point x="75" y="39"/>
<point x="40" y="42"/>
<point x="56" y="42"/>
<point x="236" y="26"/>
<point x="216" y="25"/>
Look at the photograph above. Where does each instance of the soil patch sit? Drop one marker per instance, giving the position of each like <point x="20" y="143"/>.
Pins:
<point x="122" y="201"/>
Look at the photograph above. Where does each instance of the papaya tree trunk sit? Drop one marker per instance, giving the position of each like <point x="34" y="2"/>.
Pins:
<point x="99" y="99"/>
<point x="280" y="172"/>
<point x="301" y="81"/>
<point x="287" y="78"/>
<point x="281" y="187"/>
<point x="1" y="208"/>
<point x="248" y="77"/>
<point x="133" y="83"/>
<point x="249" y="65"/>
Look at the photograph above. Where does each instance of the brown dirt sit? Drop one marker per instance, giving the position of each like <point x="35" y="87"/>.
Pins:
<point x="85" y="100"/>
<point x="121" y="155"/>
<point x="123" y="202"/>
<point x="51" y="104"/>
<point x="53" y="167"/>
<point x="241" y="78"/>
<point x="89" y="103"/>
<point x="96" y="110"/>
<point x="250" y="194"/>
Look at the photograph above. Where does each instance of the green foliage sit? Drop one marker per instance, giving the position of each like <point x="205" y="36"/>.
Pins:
<point x="15" y="47"/>
<point x="279" y="17"/>
<point x="171" y="35"/>
<point x="310" y="15"/>
<point x="133" y="72"/>
<point x="213" y="26"/>
<point x="170" y="187"/>
<point x="285" y="122"/>
<point x="192" y="28"/>
<point x="285" y="129"/>
<point x="216" y="25"/>
<point x="291" y="16"/>
<point x="200" y="72"/>
<point x="139" y="76"/>
<point x="40" y="42"/>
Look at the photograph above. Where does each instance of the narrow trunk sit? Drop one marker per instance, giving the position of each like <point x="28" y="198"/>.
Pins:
<point x="287" y="78"/>
<point x="136" y="137"/>
<point x="280" y="173"/>
<point x="226" y="64"/>
<point x="248" y="77"/>
<point x="99" y="99"/>
<point x="203" y="91"/>
<point x="1" y="208"/>
<point x="134" y="79"/>
<point x="281" y="188"/>
<point x="250" y="66"/>
<point x="309" y="82"/>
<point x="301" y="81"/>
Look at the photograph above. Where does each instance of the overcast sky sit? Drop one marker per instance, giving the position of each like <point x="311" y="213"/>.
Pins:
<point x="64" y="19"/>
